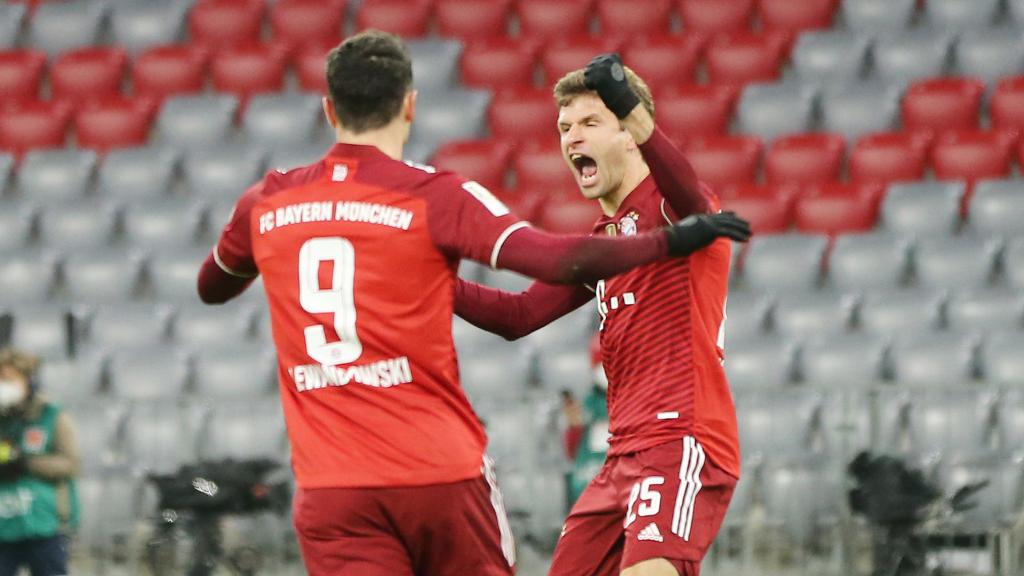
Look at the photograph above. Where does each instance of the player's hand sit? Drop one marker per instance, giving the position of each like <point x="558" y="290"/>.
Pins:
<point x="699" y="230"/>
<point x="606" y="76"/>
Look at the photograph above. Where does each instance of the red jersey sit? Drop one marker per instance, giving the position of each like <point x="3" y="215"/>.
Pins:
<point x="358" y="254"/>
<point x="661" y="341"/>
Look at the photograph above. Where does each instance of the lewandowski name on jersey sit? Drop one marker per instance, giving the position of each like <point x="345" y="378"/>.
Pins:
<point x="382" y="374"/>
<point x="340" y="211"/>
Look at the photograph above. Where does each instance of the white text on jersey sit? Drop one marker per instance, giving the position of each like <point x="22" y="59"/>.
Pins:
<point x="335" y="211"/>
<point x="382" y="374"/>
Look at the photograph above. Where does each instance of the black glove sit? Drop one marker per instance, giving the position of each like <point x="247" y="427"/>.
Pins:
<point x="699" y="230"/>
<point x="606" y="76"/>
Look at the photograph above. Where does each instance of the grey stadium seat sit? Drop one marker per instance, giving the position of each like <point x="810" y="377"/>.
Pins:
<point x="997" y="207"/>
<point x="561" y="369"/>
<point x="140" y="25"/>
<point x="163" y="222"/>
<point x="12" y="17"/>
<point x="17" y="220"/>
<point x="771" y="110"/>
<point x="986" y="310"/>
<point x="100" y="426"/>
<point x="861" y="107"/>
<point x="802" y="501"/>
<point x="935" y="360"/>
<point x="911" y="55"/>
<point x="777" y="424"/>
<point x="245" y="429"/>
<point x="191" y="121"/>
<point x="923" y="208"/>
<point x="73" y="381"/>
<point x="1011" y="419"/>
<point x="897" y="312"/>
<point x="155" y="373"/>
<point x="27" y="277"/>
<point x="285" y="158"/>
<point x="990" y="54"/>
<point x="223" y="173"/>
<point x="138" y="173"/>
<point x="6" y="167"/>
<point x="962" y="14"/>
<point x="498" y="374"/>
<point x="56" y="175"/>
<point x="1013" y="261"/>
<point x="435" y="64"/>
<point x="173" y="273"/>
<point x="571" y="332"/>
<point x="999" y="503"/>
<point x="873" y="15"/>
<point x="102" y="276"/>
<point x="200" y="327"/>
<point x="783" y="262"/>
<point x="44" y="329"/>
<point x="61" y="26"/>
<point x="1002" y="360"/>
<point x="846" y="422"/>
<point x="801" y="315"/>
<point x="511" y="438"/>
<point x="110" y="510"/>
<point x="160" y="438"/>
<point x="126" y="325"/>
<point x="468" y="338"/>
<point x="759" y="362"/>
<point x="453" y="115"/>
<point x="956" y="262"/>
<point x="217" y="218"/>
<point x="284" y="119"/>
<point x="239" y="371"/>
<point x="951" y="421"/>
<point x="746" y="315"/>
<point x="1016" y="10"/>
<point x="868" y="261"/>
<point x="81" y="225"/>
<point x="506" y="280"/>
<point x="831" y="55"/>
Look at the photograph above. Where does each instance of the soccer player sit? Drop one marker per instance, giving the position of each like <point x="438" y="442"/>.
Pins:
<point x="358" y="254"/>
<point x="673" y="462"/>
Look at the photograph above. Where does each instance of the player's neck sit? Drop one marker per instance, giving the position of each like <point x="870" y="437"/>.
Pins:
<point x="636" y="172"/>
<point x="390" y="139"/>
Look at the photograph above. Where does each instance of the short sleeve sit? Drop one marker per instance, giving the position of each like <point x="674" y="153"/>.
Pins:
<point x="467" y="221"/>
<point x="233" y="252"/>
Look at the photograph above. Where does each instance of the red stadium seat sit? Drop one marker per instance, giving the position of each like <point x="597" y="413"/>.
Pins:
<point x="1007" y="105"/>
<point x="805" y="158"/>
<point x="310" y="65"/>
<point x="796" y="15"/>
<point x="31" y="124"/>
<point x="248" y="70"/>
<point x="485" y="161"/>
<point x="664" y="59"/>
<point x="300" y="22"/>
<point x="973" y="155"/>
<point x="742" y="57"/>
<point x="541" y="167"/>
<point x="694" y="111"/>
<point x="407" y="18"/>
<point x="554" y="18"/>
<point x="713" y="16"/>
<point x="768" y="208"/>
<point x="560" y="57"/>
<point x="838" y="208"/>
<point x="473" y="19"/>
<point x="725" y="160"/>
<point x="568" y="215"/>
<point x="629" y="17"/>
<point x="114" y="122"/>
<point x="88" y="73"/>
<point x="168" y="70"/>
<point x="499" y="62"/>
<point x="942" y="104"/>
<point x="523" y="203"/>
<point x="21" y="71"/>
<point x="218" y="23"/>
<point x="523" y="114"/>
<point x="888" y="157"/>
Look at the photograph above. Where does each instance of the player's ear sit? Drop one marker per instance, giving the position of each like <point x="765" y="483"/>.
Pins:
<point x="328" y="106"/>
<point x="409" y="106"/>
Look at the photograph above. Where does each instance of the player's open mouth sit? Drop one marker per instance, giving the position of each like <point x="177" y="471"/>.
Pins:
<point x="586" y="167"/>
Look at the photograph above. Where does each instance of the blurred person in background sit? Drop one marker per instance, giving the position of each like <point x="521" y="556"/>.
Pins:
<point x="591" y="441"/>
<point x="38" y="464"/>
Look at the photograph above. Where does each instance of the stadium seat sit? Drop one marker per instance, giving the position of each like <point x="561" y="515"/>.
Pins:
<point x="310" y="64"/>
<point x="664" y="61"/>
<point x="57" y="27"/>
<point x="102" y="276"/>
<point x="572" y="332"/>
<point x="138" y="26"/>
<point x="128" y="325"/>
<point x="288" y="157"/>
<point x="561" y="369"/>
<point x="172" y="273"/>
<point x="896" y="313"/>
<point x="714" y="16"/>
<point x="191" y="121"/>
<point x="869" y="261"/>
<point x="102" y="424"/>
<point x="956" y="262"/>
<point x="203" y="328"/>
<point x="777" y="424"/>
<point x="149" y="374"/>
<point x="983" y="310"/>
<point x="523" y="115"/>
<point x="114" y="122"/>
<point x="794" y="16"/>
<point x="223" y="173"/>
<point x="801" y="315"/>
<point x="406" y="19"/>
<point x="21" y="72"/>
<point x="12" y="17"/>
<point x="832" y="54"/>
<point x="942" y="104"/>
<point x="693" y="111"/>
<point x="77" y="225"/>
<point x="746" y="315"/>
<point x="32" y="124"/>
<point x="159" y="439"/>
<point x="843" y="361"/>
<point x="300" y="22"/>
<point x="559" y="57"/>
<point x="803" y="502"/>
<point x="1007" y="105"/>
<point x="972" y="155"/>
<point x="220" y="23"/>
<point x="88" y="73"/>
<point x="888" y="157"/>
<point x="768" y="208"/>
<point x="137" y="173"/>
<point x="245" y="429"/>
<point x="804" y="158"/>
<point x="249" y="69"/>
<point x="485" y="161"/>
<point x="741" y="57"/>
<point x="759" y="363"/>
<point x="960" y="15"/>
<point x="725" y="160"/>
<point x="498" y="62"/>
<point x="242" y="371"/>
<point x="472" y="19"/>
<point x="56" y="175"/>
<point x="771" y="110"/>
<point x="937" y="359"/>
<point x="626" y="18"/>
<point x="282" y="118"/>
<point x="1004" y="365"/>
<point x="454" y="115"/>
<point x="162" y="222"/>
<point x="950" y="422"/>
<point x="572" y="215"/>
<point x="435" y="65"/>
<point x="997" y="505"/>
<point x="912" y="55"/>
<point x="855" y="108"/>
<point x="541" y="167"/>
<point x="837" y="208"/>
<point x="1014" y="262"/>
<point x="17" y="220"/>
<point x="923" y="208"/>
<point x="997" y="208"/>
<point x="43" y="328"/>
<point x="782" y="262"/>
<point x="169" y="70"/>
<point x="990" y="54"/>
<point x="554" y="18"/>
<point x="72" y="381"/>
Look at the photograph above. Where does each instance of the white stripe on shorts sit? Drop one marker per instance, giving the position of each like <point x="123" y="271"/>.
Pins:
<point x="689" y="486"/>
<point x="508" y="544"/>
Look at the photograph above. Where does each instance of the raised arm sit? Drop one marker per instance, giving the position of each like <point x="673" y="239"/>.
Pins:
<point x="514" y="315"/>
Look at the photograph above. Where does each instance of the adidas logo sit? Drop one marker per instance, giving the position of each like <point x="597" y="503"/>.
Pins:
<point x="650" y="532"/>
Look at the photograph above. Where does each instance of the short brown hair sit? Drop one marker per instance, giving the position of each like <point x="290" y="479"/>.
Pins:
<point x="22" y="362"/>
<point x="572" y="85"/>
<point x="368" y="76"/>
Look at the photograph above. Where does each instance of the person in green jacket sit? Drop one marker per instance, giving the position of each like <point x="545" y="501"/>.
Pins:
<point x="590" y="448"/>
<point x="38" y="464"/>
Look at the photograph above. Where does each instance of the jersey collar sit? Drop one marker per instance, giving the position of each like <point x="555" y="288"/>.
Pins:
<point x="645" y="187"/>
<point x="356" y="152"/>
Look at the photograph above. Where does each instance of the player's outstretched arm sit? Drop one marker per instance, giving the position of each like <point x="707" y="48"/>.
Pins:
<point x="671" y="171"/>
<point x="216" y="286"/>
<point x="513" y="315"/>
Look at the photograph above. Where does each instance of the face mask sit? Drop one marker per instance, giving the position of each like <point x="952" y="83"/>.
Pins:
<point x="12" y="393"/>
<point x="600" y="378"/>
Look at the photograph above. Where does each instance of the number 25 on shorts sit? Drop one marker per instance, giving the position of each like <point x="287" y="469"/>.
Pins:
<point x="645" y="498"/>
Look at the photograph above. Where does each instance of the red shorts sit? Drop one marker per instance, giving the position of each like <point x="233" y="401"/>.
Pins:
<point x="664" y="502"/>
<point x="438" y="530"/>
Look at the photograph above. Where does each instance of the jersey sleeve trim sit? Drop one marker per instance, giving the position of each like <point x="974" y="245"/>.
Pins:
<point x="227" y="269"/>
<point x="664" y="213"/>
<point x="501" y="241"/>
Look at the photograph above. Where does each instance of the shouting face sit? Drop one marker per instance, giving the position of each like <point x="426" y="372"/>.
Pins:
<point x="594" y="145"/>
